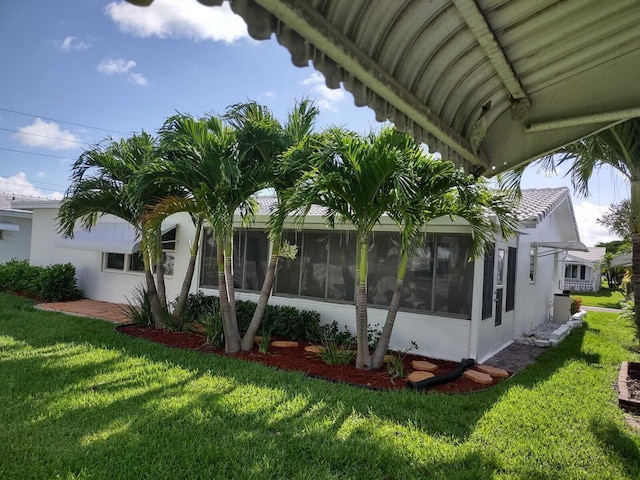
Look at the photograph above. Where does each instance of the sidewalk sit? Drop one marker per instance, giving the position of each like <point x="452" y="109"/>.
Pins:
<point x="111" y="312"/>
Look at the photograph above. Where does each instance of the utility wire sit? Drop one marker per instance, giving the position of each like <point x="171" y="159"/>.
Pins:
<point x="61" y="121"/>
<point x="37" y="154"/>
<point x="44" y="136"/>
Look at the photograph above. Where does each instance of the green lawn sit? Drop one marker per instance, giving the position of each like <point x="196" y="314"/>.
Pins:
<point x="603" y="298"/>
<point x="80" y="401"/>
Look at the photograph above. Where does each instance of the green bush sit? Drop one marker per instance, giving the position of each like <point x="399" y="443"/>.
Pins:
<point x="54" y="283"/>
<point x="281" y="321"/>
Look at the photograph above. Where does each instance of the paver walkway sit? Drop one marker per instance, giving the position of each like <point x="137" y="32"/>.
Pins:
<point x="112" y="312"/>
<point x="516" y="357"/>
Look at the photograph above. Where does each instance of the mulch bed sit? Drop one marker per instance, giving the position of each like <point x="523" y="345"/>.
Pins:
<point x="297" y="359"/>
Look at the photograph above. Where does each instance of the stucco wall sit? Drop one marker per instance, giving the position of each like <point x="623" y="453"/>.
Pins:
<point x="97" y="283"/>
<point x="15" y="244"/>
<point x="533" y="300"/>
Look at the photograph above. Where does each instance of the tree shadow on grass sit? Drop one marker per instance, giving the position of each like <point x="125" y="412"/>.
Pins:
<point x="226" y="418"/>
<point x="618" y="445"/>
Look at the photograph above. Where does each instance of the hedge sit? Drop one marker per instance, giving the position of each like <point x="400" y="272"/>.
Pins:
<point x="55" y="283"/>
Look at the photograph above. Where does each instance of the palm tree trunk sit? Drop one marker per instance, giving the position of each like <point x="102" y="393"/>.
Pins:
<point x="231" y="334"/>
<point x="162" y="293"/>
<point x="249" y="337"/>
<point x="156" y="307"/>
<point x="635" y="255"/>
<point x="363" y="357"/>
<point x="385" y="336"/>
<point x="188" y="277"/>
<point x="228" y="272"/>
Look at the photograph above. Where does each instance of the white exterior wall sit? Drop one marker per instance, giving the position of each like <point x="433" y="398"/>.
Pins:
<point x="15" y="244"/>
<point x="437" y="337"/>
<point x="97" y="283"/>
<point x="533" y="299"/>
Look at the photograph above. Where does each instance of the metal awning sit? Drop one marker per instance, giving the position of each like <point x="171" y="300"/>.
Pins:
<point x="570" y="245"/>
<point x="9" y="227"/>
<point x="106" y="237"/>
<point x="491" y="84"/>
<point x="623" y="260"/>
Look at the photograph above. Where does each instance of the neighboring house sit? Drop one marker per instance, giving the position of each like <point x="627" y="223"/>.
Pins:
<point x="15" y="228"/>
<point x="582" y="271"/>
<point x="451" y="307"/>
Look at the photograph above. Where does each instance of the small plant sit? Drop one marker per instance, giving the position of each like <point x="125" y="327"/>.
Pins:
<point x="395" y="368"/>
<point x="139" y="311"/>
<point x="212" y="321"/>
<point x="576" y="303"/>
<point x="331" y="332"/>
<point x="335" y="353"/>
<point x="373" y="335"/>
<point x="265" y="341"/>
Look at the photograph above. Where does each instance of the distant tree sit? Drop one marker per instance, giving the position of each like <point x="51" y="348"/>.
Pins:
<point x="616" y="247"/>
<point x="613" y="275"/>
<point x="618" y="219"/>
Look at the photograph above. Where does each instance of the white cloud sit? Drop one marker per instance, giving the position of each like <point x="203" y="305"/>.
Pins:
<point x="591" y="232"/>
<point x="72" y="43"/>
<point x="41" y="174"/>
<point x="46" y="135"/>
<point x="268" y="94"/>
<point x="112" y="66"/>
<point x="178" y="19"/>
<point x="19" y="184"/>
<point x="138" y="79"/>
<point x="326" y="98"/>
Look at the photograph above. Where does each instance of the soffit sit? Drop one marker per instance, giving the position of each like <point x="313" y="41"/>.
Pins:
<point x="430" y="66"/>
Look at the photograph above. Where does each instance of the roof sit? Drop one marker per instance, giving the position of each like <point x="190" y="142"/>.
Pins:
<point x="536" y="204"/>
<point x="6" y="200"/>
<point x="490" y="84"/>
<point x="593" y="255"/>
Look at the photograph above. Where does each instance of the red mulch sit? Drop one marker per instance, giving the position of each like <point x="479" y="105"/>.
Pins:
<point x="311" y="364"/>
<point x="633" y="383"/>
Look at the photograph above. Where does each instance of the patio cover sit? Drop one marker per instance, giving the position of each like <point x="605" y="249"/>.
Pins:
<point x="9" y="227"/>
<point x="106" y="237"/>
<point x="491" y="84"/>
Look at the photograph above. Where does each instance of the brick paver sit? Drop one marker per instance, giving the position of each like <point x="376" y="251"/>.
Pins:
<point x="112" y="312"/>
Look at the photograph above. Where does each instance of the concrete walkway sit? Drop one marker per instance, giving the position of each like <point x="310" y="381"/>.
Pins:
<point x="601" y="309"/>
<point x="111" y="312"/>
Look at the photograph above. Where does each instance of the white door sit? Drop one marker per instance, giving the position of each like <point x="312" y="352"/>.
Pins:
<point x="504" y="297"/>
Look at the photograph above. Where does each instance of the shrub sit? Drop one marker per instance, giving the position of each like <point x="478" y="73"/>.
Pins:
<point x="139" y="311"/>
<point x="283" y="321"/>
<point x="58" y="283"/>
<point x="576" y="303"/>
<point x="329" y="332"/>
<point x="54" y="283"/>
<point x="212" y="321"/>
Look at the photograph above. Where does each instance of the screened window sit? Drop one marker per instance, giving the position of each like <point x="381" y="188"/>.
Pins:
<point x="439" y="275"/>
<point x="454" y="275"/>
<point x="576" y="272"/>
<point x="533" y="256"/>
<point x="250" y="260"/>
<point x="115" y="261"/>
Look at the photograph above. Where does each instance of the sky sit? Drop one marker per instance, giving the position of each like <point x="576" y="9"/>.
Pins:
<point x="73" y="73"/>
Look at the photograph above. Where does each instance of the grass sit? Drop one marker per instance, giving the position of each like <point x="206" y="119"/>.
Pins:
<point x="604" y="298"/>
<point x="80" y="401"/>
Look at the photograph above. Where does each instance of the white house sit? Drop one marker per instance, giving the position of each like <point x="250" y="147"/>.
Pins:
<point x="582" y="271"/>
<point x="452" y="308"/>
<point x="15" y="229"/>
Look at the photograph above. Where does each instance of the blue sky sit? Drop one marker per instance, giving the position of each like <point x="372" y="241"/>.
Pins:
<point x="74" y="72"/>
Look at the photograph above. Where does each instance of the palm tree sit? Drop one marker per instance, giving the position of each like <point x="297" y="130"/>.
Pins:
<point x="103" y="182"/>
<point x="357" y="180"/>
<point x="443" y="190"/>
<point x="262" y="138"/>
<point x="617" y="147"/>
<point x="203" y="160"/>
